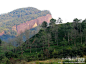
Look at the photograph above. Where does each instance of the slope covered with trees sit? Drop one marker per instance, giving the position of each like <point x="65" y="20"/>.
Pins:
<point x="53" y="41"/>
<point x="16" y="17"/>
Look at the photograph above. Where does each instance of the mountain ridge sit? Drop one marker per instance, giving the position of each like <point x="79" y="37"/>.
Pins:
<point x="19" y="16"/>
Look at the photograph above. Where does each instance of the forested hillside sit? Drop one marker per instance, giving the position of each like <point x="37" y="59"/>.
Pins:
<point x="16" y="17"/>
<point x="18" y="21"/>
<point x="53" y="41"/>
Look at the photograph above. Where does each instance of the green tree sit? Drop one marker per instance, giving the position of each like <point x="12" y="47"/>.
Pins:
<point x="0" y="41"/>
<point x="80" y="30"/>
<point x="19" y="41"/>
<point x="44" y="24"/>
<point x="59" y="20"/>
<point x="64" y="42"/>
<point x="84" y="29"/>
<point x="75" y="23"/>
<point x="75" y="29"/>
<point x="52" y="22"/>
<point x="68" y="29"/>
<point x="27" y="37"/>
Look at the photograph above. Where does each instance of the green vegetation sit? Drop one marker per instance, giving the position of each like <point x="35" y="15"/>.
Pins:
<point x="5" y="47"/>
<point x="55" y="41"/>
<point x="44" y="24"/>
<point x="19" y="16"/>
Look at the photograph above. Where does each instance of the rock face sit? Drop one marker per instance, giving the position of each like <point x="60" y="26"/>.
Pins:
<point x="1" y="33"/>
<point x="31" y="24"/>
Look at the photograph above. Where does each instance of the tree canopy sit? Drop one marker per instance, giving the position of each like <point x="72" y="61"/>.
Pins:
<point x="44" y="24"/>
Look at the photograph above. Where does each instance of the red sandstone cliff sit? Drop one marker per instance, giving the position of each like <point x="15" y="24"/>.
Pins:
<point x="31" y="24"/>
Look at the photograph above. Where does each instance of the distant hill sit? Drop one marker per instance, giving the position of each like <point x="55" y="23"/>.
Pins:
<point x="18" y="21"/>
<point x="12" y="22"/>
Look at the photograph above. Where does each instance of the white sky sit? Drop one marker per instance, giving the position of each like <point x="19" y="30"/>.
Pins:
<point x="66" y="9"/>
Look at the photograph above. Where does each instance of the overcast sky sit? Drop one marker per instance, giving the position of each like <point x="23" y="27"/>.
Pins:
<point x="66" y="9"/>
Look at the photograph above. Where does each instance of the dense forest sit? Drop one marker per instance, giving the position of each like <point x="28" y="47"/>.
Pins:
<point x="52" y="41"/>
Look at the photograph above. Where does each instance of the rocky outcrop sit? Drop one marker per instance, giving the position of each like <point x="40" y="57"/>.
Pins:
<point x="31" y="24"/>
<point x="34" y="25"/>
<point x="1" y="33"/>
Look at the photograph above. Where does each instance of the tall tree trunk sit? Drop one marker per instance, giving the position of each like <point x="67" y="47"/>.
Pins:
<point x="57" y="38"/>
<point x="48" y="43"/>
<point x="36" y="47"/>
<point x="80" y="33"/>
<point x="81" y="38"/>
<point x="43" y="46"/>
<point x="30" y="49"/>
<point x="85" y="39"/>
<point x="68" y="37"/>
<point x="75" y="38"/>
